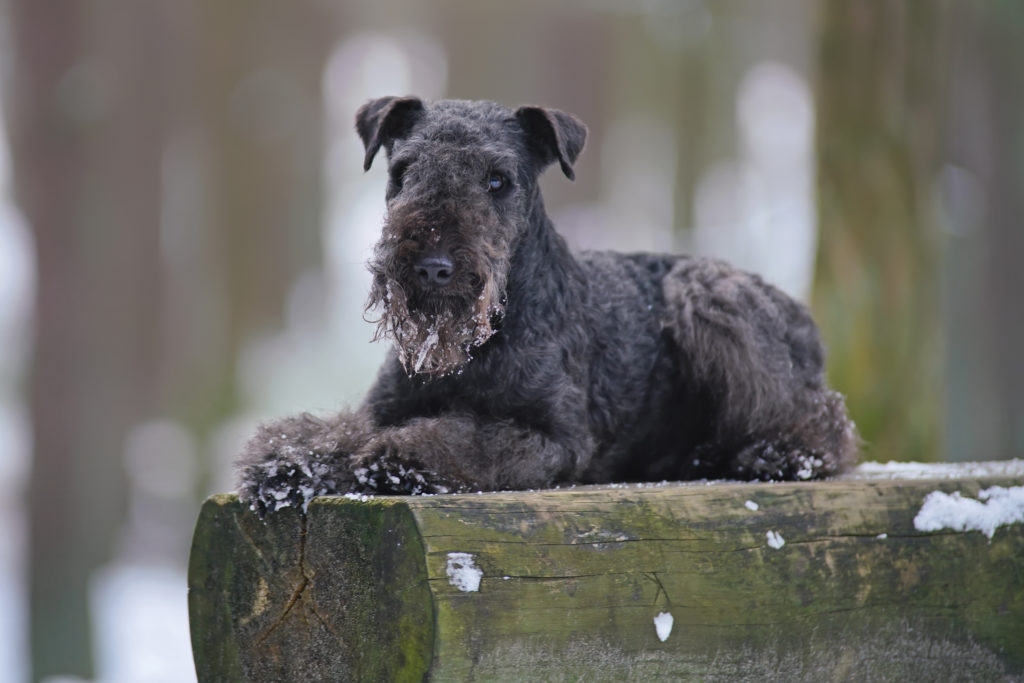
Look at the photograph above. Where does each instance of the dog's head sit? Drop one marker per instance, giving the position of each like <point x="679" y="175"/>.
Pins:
<point x="462" y="192"/>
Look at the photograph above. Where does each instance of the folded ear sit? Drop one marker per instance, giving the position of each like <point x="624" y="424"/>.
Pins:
<point x="551" y="135"/>
<point x="384" y="120"/>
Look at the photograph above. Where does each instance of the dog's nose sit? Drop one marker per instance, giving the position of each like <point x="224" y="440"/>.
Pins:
<point x="435" y="270"/>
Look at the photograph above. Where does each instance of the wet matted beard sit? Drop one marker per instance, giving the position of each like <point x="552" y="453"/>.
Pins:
<point x="435" y="335"/>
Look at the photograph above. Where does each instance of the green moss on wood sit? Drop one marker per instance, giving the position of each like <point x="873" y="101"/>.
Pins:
<point x="572" y="581"/>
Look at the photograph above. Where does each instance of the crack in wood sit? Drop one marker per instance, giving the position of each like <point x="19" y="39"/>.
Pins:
<point x="570" y="544"/>
<point x="297" y="594"/>
<point x="249" y="539"/>
<point x="323" y="621"/>
<point x="661" y="589"/>
<point x="570" y="577"/>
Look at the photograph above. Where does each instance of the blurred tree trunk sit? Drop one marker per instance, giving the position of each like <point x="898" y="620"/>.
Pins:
<point x="1005" y="178"/>
<point x="877" y="285"/>
<point x="167" y="158"/>
<point x="248" y="127"/>
<point x="982" y="204"/>
<point x="85" y="120"/>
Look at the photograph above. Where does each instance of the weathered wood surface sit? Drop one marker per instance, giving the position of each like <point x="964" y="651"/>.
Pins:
<point x="572" y="580"/>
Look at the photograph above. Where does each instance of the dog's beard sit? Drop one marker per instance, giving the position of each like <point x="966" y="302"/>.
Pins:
<point x="434" y="335"/>
<point x="436" y="330"/>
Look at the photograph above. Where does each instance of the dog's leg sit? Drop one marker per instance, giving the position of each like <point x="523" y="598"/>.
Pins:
<point x="755" y="353"/>
<point x="289" y="461"/>
<point x="819" y="441"/>
<point x="463" y="452"/>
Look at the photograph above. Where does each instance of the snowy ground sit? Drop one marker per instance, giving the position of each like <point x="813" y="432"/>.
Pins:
<point x="141" y="616"/>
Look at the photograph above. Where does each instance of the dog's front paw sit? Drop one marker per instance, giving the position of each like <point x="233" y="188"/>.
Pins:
<point x="280" y="467"/>
<point x="387" y="473"/>
<point x="275" y="484"/>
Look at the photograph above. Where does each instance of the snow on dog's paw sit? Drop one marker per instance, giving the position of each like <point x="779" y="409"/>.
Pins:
<point x="387" y="474"/>
<point x="276" y="485"/>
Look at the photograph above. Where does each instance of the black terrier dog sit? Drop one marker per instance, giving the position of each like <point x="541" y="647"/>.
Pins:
<point x="518" y="365"/>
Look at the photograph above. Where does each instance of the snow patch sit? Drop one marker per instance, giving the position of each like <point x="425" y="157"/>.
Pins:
<point x="360" y="497"/>
<point x="663" y="625"/>
<point x="425" y="348"/>
<point x="808" y="466"/>
<point x="463" y="572"/>
<point x="775" y="539"/>
<point x="751" y="505"/>
<point x="953" y="511"/>
<point x="931" y="470"/>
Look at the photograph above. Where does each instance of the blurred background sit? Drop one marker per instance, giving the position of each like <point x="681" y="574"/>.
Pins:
<point x="184" y="224"/>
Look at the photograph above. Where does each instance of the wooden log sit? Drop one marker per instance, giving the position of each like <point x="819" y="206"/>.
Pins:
<point x="789" y="581"/>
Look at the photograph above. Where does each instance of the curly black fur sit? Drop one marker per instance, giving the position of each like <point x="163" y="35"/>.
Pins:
<point x="527" y="366"/>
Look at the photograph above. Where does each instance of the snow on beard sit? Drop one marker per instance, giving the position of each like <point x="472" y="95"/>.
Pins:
<point x="436" y="329"/>
<point x="434" y="336"/>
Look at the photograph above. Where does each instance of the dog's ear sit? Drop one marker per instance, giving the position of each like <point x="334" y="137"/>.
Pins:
<point x="384" y="120"/>
<point x="551" y="135"/>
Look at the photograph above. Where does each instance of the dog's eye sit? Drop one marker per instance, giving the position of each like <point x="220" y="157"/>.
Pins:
<point x="496" y="182"/>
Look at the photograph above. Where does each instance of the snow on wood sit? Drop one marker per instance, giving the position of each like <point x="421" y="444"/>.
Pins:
<point x="663" y="625"/>
<point x="463" y="573"/>
<point x="995" y="507"/>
